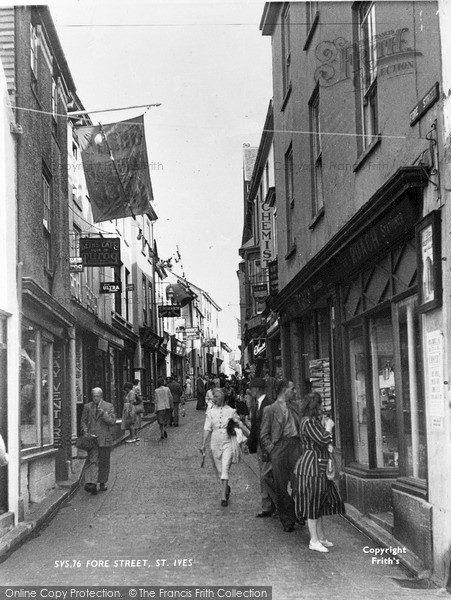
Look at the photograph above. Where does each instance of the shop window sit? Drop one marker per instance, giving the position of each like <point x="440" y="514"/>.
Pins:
<point x="384" y="390"/>
<point x="359" y="394"/>
<point x="316" y="356"/>
<point x="387" y="400"/>
<point x="413" y="459"/>
<point x="36" y="389"/>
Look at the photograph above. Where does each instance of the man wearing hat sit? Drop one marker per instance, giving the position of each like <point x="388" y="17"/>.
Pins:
<point x="260" y="401"/>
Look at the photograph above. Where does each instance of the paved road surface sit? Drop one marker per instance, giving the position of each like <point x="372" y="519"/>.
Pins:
<point x="161" y="506"/>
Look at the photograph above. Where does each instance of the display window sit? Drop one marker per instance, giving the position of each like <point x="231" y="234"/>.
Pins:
<point x="36" y="388"/>
<point x="385" y="363"/>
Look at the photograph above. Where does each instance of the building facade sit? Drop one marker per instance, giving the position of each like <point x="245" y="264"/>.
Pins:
<point x="9" y="306"/>
<point x="39" y="84"/>
<point x="360" y="217"/>
<point x="259" y="253"/>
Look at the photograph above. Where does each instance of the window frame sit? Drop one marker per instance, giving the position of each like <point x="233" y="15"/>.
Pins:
<point x="47" y="202"/>
<point x="316" y="150"/>
<point x="289" y="195"/>
<point x="286" y="51"/>
<point x="40" y="338"/>
<point x="368" y="73"/>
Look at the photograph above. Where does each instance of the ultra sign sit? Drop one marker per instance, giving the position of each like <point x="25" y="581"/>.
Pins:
<point x="106" y="287"/>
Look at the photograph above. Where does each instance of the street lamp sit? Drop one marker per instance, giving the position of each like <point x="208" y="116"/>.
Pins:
<point x="170" y="293"/>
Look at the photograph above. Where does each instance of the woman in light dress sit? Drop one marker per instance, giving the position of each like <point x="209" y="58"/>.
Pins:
<point x="216" y="421"/>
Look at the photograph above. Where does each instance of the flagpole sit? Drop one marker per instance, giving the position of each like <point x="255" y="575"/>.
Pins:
<point x="92" y="112"/>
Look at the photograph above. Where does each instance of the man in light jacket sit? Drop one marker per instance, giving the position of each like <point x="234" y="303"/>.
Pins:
<point x="280" y="437"/>
<point x="98" y="420"/>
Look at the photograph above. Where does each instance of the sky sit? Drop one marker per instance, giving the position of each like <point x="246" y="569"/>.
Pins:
<point x="210" y="68"/>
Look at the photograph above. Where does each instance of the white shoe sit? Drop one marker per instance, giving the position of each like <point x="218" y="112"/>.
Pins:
<point x="327" y="544"/>
<point x="128" y="441"/>
<point x="317" y="546"/>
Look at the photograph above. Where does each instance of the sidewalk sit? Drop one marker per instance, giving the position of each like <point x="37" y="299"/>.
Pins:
<point x="43" y="512"/>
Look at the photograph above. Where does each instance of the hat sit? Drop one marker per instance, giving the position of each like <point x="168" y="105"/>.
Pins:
<point x="258" y="382"/>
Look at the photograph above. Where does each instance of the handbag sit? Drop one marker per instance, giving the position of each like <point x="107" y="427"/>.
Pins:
<point x="331" y="468"/>
<point x="86" y="442"/>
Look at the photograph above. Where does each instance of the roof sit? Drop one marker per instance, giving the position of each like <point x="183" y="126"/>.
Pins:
<point x="249" y="157"/>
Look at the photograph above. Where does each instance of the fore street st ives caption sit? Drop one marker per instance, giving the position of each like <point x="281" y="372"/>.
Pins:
<point x="121" y="563"/>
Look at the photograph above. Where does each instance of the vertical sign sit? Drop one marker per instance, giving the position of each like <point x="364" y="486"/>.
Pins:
<point x="79" y="370"/>
<point x="435" y="387"/>
<point x="57" y="397"/>
<point x="266" y="233"/>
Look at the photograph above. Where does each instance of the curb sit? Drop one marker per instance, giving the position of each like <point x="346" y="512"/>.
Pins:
<point x="47" y="509"/>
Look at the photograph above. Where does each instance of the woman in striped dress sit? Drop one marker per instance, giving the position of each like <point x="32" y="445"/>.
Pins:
<point x="315" y="496"/>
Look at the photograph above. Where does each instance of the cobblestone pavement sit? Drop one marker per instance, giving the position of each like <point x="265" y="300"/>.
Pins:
<point x="161" y="505"/>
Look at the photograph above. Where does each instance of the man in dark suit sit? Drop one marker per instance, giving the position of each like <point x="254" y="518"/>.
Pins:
<point x="200" y="393"/>
<point x="98" y="420"/>
<point x="267" y="491"/>
<point x="279" y="436"/>
<point x="177" y="392"/>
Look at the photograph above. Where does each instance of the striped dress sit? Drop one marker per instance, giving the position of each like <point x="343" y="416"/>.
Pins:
<point x="315" y="495"/>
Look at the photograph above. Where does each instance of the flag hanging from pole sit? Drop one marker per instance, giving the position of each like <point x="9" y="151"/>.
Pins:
<point x="116" y="168"/>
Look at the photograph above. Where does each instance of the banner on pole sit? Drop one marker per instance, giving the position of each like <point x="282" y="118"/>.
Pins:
<point x="116" y="168"/>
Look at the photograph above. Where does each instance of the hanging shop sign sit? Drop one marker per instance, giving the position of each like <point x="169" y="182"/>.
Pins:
<point x="100" y="252"/>
<point x="273" y="277"/>
<point x="75" y="264"/>
<point x="149" y="338"/>
<point x="169" y="310"/>
<point x="210" y="343"/>
<point x="259" y="348"/>
<point x="260" y="292"/>
<point x="107" y="287"/>
<point x="130" y="287"/>
<point x="424" y="104"/>
<point x="192" y="333"/>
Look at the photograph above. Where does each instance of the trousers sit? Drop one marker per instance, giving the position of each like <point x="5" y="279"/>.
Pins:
<point x="284" y="457"/>
<point x="97" y="469"/>
<point x="267" y="488"/>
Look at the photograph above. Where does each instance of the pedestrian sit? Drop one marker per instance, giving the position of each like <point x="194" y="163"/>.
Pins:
<point x="209" y="396"/>
<point x="98" y="420"/>
<point x="200" y="393"/>
<point x="163" y="406"/>
<point x="129" y="416"/>
<point x="177" y="392"/>
<point x="270" y="385"/>
<point x="267" y="488"/>
<point x="315" y="495"/>
<point x="280" y="438"/>
<point x="188" y="387"/>
<point x="138" y="404"/>
<point x="216" y="422"/>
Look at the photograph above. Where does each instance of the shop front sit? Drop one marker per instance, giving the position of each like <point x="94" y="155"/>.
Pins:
<point x="351" y="329"/>
<point x="45" y="410"/>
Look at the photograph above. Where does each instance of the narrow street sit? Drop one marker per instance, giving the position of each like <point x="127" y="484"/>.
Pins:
<point x="161" y="505"/>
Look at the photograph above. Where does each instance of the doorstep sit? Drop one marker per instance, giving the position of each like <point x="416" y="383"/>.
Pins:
<point x="380" y="533"/>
